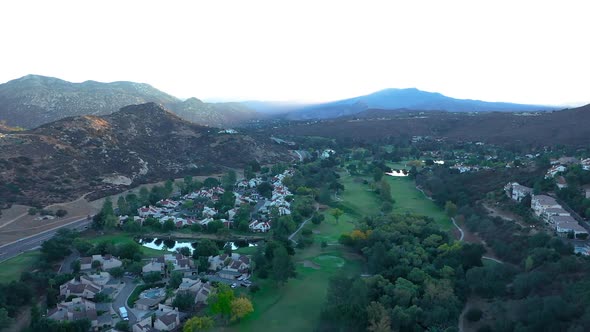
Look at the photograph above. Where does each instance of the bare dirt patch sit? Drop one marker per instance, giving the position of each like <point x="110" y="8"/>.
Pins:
<point x="310" y="264"/>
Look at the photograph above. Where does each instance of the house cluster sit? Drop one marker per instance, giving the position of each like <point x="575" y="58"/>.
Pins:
<point x="105" y="262"/>
<point x="278" y="201"/>
<point x="164" y="318"/>
<point x="234" y="266"/>
<point x="77" y="300"/>
<point x="549" y="210"/>
<point x="162" y="264"/>
<point x="464" y="168"/>
<point x="516" y="191"/>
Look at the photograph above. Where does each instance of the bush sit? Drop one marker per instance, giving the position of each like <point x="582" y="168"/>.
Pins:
<point x="61" y="213"/>
<point x="33" y="211"/>
<point x="474" y="314"/>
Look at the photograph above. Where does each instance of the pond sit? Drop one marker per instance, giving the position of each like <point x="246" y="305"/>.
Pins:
<point x="174" y="245"/>
<point x="397" y="172"/>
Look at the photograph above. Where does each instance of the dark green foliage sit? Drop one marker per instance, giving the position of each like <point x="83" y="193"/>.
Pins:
<point x="184" y="301"/>
<point x="474" y="314"/>
<point x="152" y="277"/>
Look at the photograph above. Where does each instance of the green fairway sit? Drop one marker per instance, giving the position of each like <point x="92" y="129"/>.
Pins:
<point x="408" y="199"/>
<point x="11" y="269"/>
<point x="358" y="198"/>
<point x="296" y="306"/>
<point x="121" y="238"/>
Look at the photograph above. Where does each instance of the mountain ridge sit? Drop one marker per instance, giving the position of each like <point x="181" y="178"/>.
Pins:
<point x="143" y="143"/>
<point x="33" y="100"/>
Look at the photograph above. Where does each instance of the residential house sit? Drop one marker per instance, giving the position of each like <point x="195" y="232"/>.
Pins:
<point x="151" y="211"/>
<point x="190" y="285"/>
<point x="168" y="203"/>
<point x="209" y="212"/>
<point x="76" y="309"/>
<point x="554" y="170"/>
<point x="586" y="164"/>
<point x="179" y="262"/>
<point x="204" y="293"/>
<point x="565" y="228"/>
<point x="144" y="325"/>
<point x="85" y="263"/>
<point x="107" y="262"/>
<point x="155" y="265"/>
<point x="259" y="226"/>
<point x="568" y="160"/>
<point x="147" y="304"/>
<point x="541" y="202"/>
<point x="560" y="182"/>
<point x="549" y="213"/>
<point x="100" y="278"/>
<point x="83" y="288"/>
<point x="516" y="191"/>
<point x="556" y="220"/>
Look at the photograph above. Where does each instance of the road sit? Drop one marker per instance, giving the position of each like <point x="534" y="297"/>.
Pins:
<point x="13" y="249"/>
<point x="121" y="299"/>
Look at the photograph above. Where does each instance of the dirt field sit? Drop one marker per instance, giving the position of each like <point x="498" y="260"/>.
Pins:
<point x="16" y="223"/>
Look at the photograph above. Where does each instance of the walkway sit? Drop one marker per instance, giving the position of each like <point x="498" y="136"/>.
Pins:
<point x="298" y="229"/>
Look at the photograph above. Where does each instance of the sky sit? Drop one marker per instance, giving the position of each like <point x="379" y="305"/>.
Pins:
<point x="534" y="52"/>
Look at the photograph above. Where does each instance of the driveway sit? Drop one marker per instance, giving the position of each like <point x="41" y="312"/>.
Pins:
<point x="121" y="299"/>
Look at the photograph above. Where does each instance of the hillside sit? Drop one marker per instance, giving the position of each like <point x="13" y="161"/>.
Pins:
<point x="140" y="143"/>
<point x="414" y="99"/>
<point x="34" y="100"/>
<point x="533" y="129"/>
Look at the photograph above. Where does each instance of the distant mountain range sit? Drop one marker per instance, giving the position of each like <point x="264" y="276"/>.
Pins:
<point x="409" y="99"/>
<point x="34" y="100"/>
<point x="143" y="143"/>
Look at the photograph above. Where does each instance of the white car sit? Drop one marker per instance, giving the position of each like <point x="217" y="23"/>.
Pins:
<point x="234" y="285"/>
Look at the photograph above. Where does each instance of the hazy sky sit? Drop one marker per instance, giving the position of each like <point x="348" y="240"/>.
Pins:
<point x="517" y="51"/>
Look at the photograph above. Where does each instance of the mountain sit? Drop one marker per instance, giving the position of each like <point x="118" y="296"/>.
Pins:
<point x="143" y="143"/>
<point x="34" y="100"/>
<point x="214" y="114"/>
<point x="391" y="99"/>
<point x="565" y="127"/>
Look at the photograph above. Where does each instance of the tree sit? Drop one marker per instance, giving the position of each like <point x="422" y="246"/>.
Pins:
<point x="210" y="182"/>
<point x="282" y="266"/>
<point x="205" y="248"/>
<point x="385" y="191"/>
<point x="336" y="213"/>
<point x="196" y="324"/>
<point x="168" y="225"/>
<point x="33" y="211"/>
<point x="185" y="251"/>
<point x="175" y="279"/>
<point x="221" y="302"/>
<point x="184" y="301"/>
<point x="450" y="209"/>
<point x="5" y="321"/>
<point x="76" y="265"/>
<point x="122" y="326"/>
<point x="265" y="189"/>
<point x="474" y="314"/>
<point x="240" y="308"/>
<point x="379" y="320"/>
<point x="152" y="277"/>
<point x="144" y="196"/>
<point x="117" y="272"/>
<point x="96" y="264"/>
<point x="229" y="179"/>
<point x="122" y="206"/>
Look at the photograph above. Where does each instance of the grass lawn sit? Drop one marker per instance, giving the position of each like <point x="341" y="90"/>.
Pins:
<point x="120" y="238"/>
<point x="409" y="199"/>
<point x="296" y="305"/>
<point x="11" y="269"/>
<point x="357" y="198"/>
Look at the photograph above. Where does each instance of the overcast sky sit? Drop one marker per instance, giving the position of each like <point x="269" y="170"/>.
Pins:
<point x="518" y="51"/>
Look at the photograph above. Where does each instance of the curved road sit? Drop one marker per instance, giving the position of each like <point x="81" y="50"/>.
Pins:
<point x="121" y="299"/>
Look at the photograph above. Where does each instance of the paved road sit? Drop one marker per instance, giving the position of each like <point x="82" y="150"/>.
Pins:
<point x="121" y="299"/>
<point x="13" y="249"/>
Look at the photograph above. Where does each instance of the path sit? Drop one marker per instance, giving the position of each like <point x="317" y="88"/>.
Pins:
<point x="459" y="228"/>
<point x="13" y="220"/>
<point x="494" y="212"/>
<point x="298" y="229"/>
